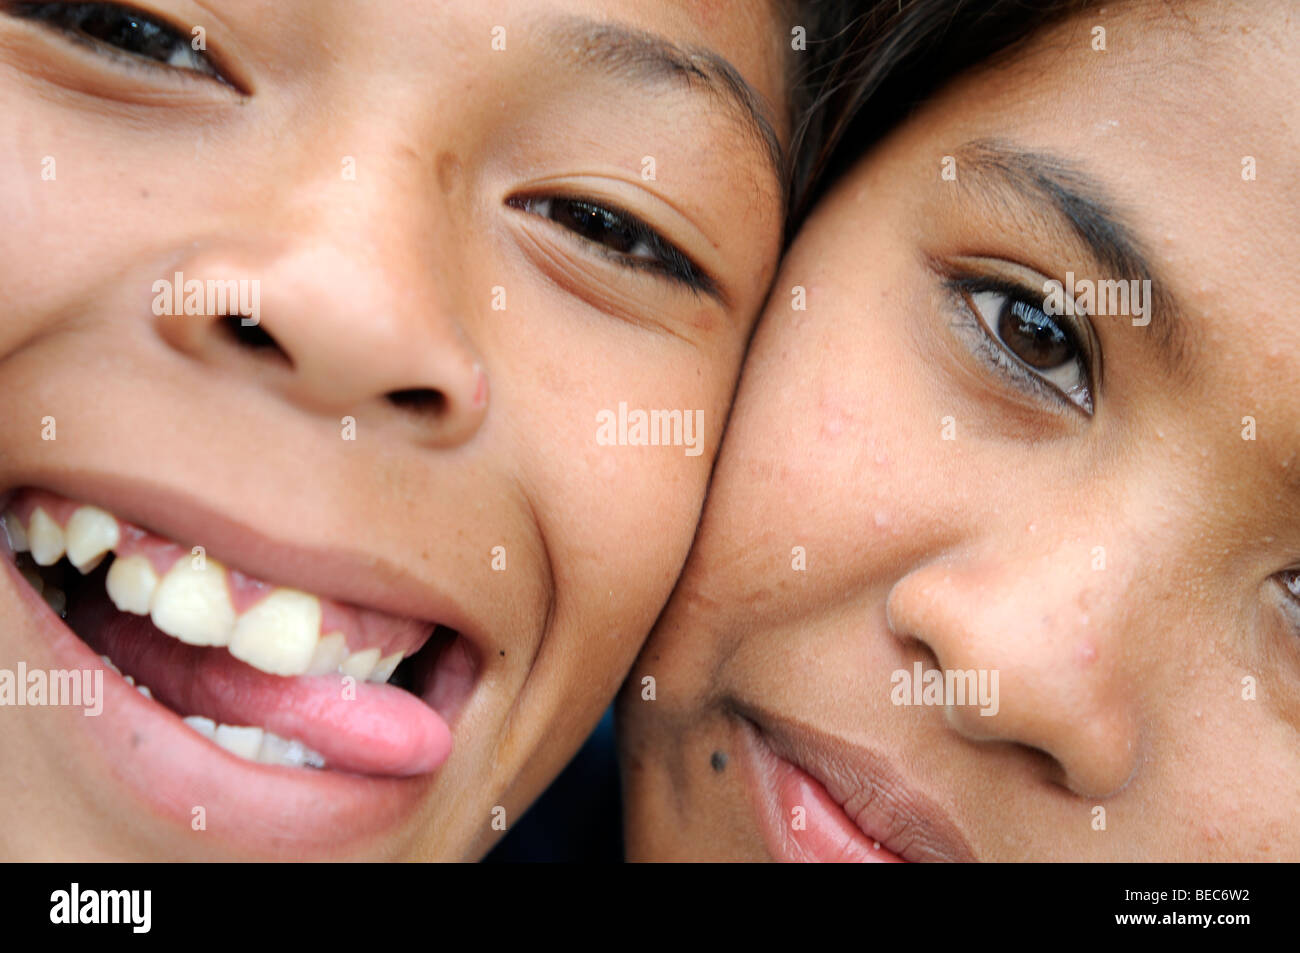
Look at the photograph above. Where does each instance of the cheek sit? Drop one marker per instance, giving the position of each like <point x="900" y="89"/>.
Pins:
<point x="616" y="455"/>
<point x="829" y="461"/>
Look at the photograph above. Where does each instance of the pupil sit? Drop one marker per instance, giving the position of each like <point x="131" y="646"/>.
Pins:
<point x="1033" y="336"/>
<point x="596" y="224"/>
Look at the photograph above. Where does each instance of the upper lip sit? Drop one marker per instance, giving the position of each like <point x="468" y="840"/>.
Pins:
<point x="871" y="791"/>
<point x="353" y="577"/>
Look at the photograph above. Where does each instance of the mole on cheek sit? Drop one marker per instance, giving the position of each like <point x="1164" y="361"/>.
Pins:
<point x="718" y="762"/>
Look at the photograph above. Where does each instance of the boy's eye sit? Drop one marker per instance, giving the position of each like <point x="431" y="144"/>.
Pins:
<point x="1036" y="348"/>
<point x="115" y="30"/>
<point x="1291" y="583"/>
<point x="620" y="235"/>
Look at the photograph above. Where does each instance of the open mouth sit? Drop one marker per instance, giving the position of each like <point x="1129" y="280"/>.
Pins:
<point x="269" y="673"/>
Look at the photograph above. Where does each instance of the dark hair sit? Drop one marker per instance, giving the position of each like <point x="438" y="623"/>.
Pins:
<point x="873" y="61"/>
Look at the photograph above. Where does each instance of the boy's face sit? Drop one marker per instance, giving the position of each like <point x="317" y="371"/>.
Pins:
<point x="465" y="230"/>
<point x="926" y="468"/>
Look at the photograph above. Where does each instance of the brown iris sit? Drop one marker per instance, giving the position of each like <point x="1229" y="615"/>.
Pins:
<point x="1033" y="336"/>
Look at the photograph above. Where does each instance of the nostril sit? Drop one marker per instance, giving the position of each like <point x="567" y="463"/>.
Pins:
<point x="421" y="400"/>
<point x="252" y="336"/>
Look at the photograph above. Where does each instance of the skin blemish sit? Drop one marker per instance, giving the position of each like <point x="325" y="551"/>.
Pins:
<point x="718" y="762"/>
<point x="836" y="418"/>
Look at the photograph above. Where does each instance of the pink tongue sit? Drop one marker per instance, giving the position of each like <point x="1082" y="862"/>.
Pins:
<point x="383" y="730"/>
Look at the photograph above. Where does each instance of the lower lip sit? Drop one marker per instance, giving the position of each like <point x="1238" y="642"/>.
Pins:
<point x="800" y="821"/>
<point x="250" y="809"/>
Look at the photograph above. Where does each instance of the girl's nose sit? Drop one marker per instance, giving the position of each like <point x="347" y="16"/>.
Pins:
<point x="1040" y="630"/>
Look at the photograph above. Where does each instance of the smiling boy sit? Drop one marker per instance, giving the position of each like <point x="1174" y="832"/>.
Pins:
<point x="364" y="561"/>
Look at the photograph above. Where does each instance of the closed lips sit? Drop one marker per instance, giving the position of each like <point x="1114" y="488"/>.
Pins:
<point x="270" y="673"/>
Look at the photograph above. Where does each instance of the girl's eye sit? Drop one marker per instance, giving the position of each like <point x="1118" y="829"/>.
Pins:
<point x="1039" y="351"/>
<point x="620" y="235"/>
<point x="118" y="30"/>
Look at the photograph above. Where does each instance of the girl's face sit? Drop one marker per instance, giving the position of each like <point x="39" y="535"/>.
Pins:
<point x="467" y="232"/>
<point x="1089" y="523"/>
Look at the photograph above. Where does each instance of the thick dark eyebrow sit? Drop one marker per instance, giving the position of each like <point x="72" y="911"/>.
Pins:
<point x="1037" y="182"/>
<point x="648" y="58"/>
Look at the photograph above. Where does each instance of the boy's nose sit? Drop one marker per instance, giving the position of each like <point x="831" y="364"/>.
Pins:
<point x="1055" y="638"/>
<point x="338" y="332"/>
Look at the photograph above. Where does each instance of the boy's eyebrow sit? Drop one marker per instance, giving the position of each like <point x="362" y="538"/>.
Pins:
<point x="649" y="58"/>
<point x="1032" y="179"/>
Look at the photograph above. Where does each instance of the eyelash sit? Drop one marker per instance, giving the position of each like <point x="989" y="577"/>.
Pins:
<point x="990" y="349"/>
<point x="69" y="20"/>
<point x="667" y="261"/>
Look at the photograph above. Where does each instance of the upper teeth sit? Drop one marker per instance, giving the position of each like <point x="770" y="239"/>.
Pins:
<point x="46" y="538"/>
<point x="193" y="604"/>
<point x="279" y="634"/>
<point x="91" y="533"/>
<point x="131" y="583"/>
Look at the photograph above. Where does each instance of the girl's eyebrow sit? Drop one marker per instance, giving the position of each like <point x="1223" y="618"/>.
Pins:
<point x="1052" y="190"/>
<point x="651" y="59"/>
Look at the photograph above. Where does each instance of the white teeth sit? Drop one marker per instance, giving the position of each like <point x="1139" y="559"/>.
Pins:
<point x="109" y="663"/>
<point x="129" y="680"/>
<point x="330" y="653"/>
<point x="360" y="664"/>
<point x="384" y="670"/>
<point x="46" y="539"/>
<point x="279" y="634"/>
<point x="90" y="534"/>
<point x="193" y="605"/>
<point x="204" y="726"/>
<point x="13" y="528"/>
<point x="55" y="598"/>
<point x="244" y="742"/>
<point x="131" y="583"/>
<point x="273" y="748"/>
<point x="144" y="690"/>
<point x="291" y="754"/>
<point x="255" y="744"/>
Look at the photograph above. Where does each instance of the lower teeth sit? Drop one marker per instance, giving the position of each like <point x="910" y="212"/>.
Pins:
<point x="256" y="744"/>
<point x="249" y="743"/>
